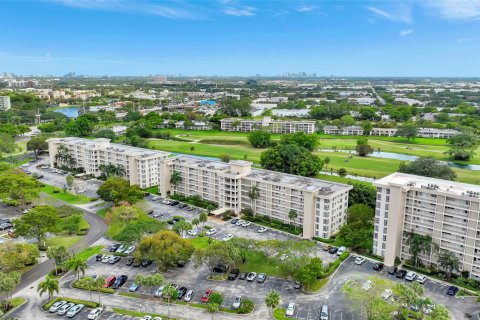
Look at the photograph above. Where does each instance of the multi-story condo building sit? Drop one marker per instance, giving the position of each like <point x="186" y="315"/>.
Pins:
<point x="141" y="166"/>
<point x="321" y="206"/>
<point x="384" y="132"/>
<point x="274" y="126"/>
<point x="5" y="103"/>
<point x="196" y="125"/>
<point x="447" y="211"/>
<point x="437" y="133"/>
<point x="345" y="131"/>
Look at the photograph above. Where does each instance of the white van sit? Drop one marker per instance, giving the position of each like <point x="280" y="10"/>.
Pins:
<point x="324" y="313"/>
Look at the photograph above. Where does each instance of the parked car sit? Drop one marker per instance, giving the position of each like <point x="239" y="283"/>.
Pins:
<point x="56" y="306"/>
<point x="129" y="261"/>
<point x="114" y="259"/>
<point x="367" y="285"/>
<point x="378" y="266"/>
<point x="341" y="250"/>
<point x="146" y="262"/>
<point x="262" y="230"/>
<point x="283" y="257"/>
<point x="239" y="222"/>
<point x="159" y="292"/>
<point x="401" y="273"/>
<point x="114" y="247"/>
<point x="63" y="309"/>
<point x="243" y="275"/>
<point x="234" y="221"/>
<point x="324" y="313"/>
<point x="192" y="233"/>
<point x="227" y="237"/>
<point x="72" y="312"/>
<point x="134" y="287"/>
<point x="206" y="295"/>
<point x="410" y="276"/>
<point x="297" y="285"/>
<point x="188" y="296"/>
<point x="333" y="250"/>
<point x="246" y="224"/>
<point x="233" y="274"/>
<point x="421" y="279"/>
<point x="327" y="247"/>
<point x="211" y="231"/>
<point x="452" y="290"/>
<point x="95" y="313"/>
<point x="99" y="257"/>
<point x="392" y="270"/>
<point x="109" y="281"/>
<point x="106" y="258"/>
<point x="386" y="294"/>
<point x="147" y="317"/>
<point x="290" y="309"/>
<point x="129" y="250"/>
<point x="221" y="268"/>
<point x="181" y="292"/>
<point x="12" y="234"/>
<point x="137" y="263"/>
<point x="121" y="249"/>
<point x="119" y="282"/>
<point x="261" y="278"/>
<point x="251" y="276"/>
<point x="237" y="301"/>
<point x="359" y="260"/>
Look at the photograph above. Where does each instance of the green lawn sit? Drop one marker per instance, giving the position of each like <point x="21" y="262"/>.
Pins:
<point x="65" y="196"/>
<point x="83" y="224"/>
<point x="257" y="262"/>
<point x="66" y="241"/>
<point x="279" y="314"/>
<point x="15" y="302"/>
<point x="102" y="212"/>
<point x="86" y="253"/>
<point x="153" y="190"/>
<point x="199" y="242"/>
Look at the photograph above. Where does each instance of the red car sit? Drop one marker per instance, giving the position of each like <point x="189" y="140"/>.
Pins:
<point x="207" y="295"/>
<point x="109" y="281"/>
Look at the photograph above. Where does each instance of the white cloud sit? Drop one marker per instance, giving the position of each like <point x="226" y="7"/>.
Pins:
<point x="240" y="12"/>
<point x="305" y="8"/>
<point x="144" y="7"/>
<point x="400" y="13"/>
<point x="455" y="9"/>
<point x="404" y="33"/>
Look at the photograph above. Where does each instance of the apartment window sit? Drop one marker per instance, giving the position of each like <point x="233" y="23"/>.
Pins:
<point x="385" y="222"/>
<point x="384" y="238"/>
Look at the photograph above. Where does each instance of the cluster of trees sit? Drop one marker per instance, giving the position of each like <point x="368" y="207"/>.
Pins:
<point x="8" y="282"/>
<point x="7" y="144"/>
<point x="38" y="145"/>
<point x="16" y="187"/>
<point x="236" y="108"/>
<point x="293" y="155"/>
<point x="260" y="139"/>
<point x="82" y="126"/>
<point x="117" y="190"/>
<point x="463" y="146"/>
<point x="357" y="233"/>
<point x="363" y="149"/>
<point x="428" y="167"/>
<point x="16" y="256"/>
<point x="14" y="130"/>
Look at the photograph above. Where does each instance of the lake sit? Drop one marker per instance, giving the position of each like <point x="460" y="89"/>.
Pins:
<point x="71" y="112"/>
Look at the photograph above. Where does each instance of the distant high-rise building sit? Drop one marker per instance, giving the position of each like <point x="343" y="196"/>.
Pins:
<point x="5" y="103"/>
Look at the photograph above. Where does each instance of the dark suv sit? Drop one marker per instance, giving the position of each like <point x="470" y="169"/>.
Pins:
<point x="392" y="270"/>
<point x="401" y="273"/>
<point x="119" y="282"/>
<point x="233" y="274"/>
<point x="220" y="268"/>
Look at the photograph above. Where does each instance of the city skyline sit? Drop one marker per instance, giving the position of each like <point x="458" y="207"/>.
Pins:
<point x="240" y="38"/>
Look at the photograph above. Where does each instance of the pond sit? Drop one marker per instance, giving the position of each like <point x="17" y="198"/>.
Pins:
<point x="71" y="112"/>
<point x="406" y="157"/>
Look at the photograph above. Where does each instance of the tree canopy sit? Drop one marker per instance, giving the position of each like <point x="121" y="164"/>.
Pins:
<point x="37" y="222"/>
<point x="260" y="138"/>
<point x="291" y="158"/>
<point x="118" y="190"/>
<point x="302" y="139"/>
<point x="37" y="145"/>
<point x="428" y="167"/>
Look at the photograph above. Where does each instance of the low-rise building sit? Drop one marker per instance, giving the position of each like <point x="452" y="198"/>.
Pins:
<point x="437" y="133"/>
<point x="119" y="130"/>
<point x="384" y="132"/>
<point x="141" y="166"/>
<point x="298" y="113"/>
<point x="274" y="126"/>
<point x="446" y="211"/>
<point x="5" y="103"/>
<point x="344" y="131"/>
<point x="196" y="125"/>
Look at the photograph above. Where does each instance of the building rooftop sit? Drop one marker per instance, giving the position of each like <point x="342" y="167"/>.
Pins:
<point x="445" y="186"/>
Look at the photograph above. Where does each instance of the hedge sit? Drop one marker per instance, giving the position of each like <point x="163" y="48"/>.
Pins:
<point x="273" y="223"/>
<point x="88" y="304"/>
<point x="103" y="290"/>
<point x="195" y="201"/>
<point x="324" y="240"/>
<point x="335" y="264"/>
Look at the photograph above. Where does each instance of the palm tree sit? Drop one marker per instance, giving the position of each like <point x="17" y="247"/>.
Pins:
<point x="169" y="292"/>
<point x="118" y="171"/>
<point x="292" y="215"/>
<point x="272" y="300"/>
<point x="77" y="265"/>
<point x="254" y="194"/>
<point x="213" y="307"/>
<point x="175" y="178"/>
<point x="326" y="161"/>
<point x="92" y="284"/>
<point x="50" y="286"/>
<point x="448" y="261"/>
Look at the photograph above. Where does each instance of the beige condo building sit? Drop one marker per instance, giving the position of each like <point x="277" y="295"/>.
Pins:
<point x="447" y="211"/>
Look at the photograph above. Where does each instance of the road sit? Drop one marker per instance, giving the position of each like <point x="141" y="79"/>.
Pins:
<point x="97" y="230"/>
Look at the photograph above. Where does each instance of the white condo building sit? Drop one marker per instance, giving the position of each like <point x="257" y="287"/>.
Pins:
<point x="5" y="103"/>
<point x="321" y="206"/>
<point x="142" y="166"/>
<point x="447" y="211"/>
<point x="274" y="126"/>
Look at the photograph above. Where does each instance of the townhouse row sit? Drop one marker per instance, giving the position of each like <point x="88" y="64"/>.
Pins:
<point x="389" y="132"/>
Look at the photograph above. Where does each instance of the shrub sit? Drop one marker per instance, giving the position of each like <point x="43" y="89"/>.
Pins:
<point x="78" y="285"/>
<point x="246" y="306"/>
<point x="88" y="304"/>
<point x="324" y="240"/>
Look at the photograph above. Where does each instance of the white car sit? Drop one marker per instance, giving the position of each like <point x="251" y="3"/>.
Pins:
<point x="211" y="231"/>
<point x="189" y="296"/>
<point x="72" y="312"/>
<point x="94" y="313"/>
<point x="157" y="318"/>
<point x="341" y="250"/>
<point x="283" y="257"/>
<point x="192" y="233"/>
<point x="429" y="308"/>
<point x="129" y="250"/>
<point x="251" y="276"/>
<point x="146" y="318"/>
<point x="237" y="301"/>
<point x="290" y="309"/>
<point x="422" y="279"/>
<point x="56" y="306"/>
<point x="262" y="230"/>
<point x="246" y="224"/>
<point x="45" y="167"/>
<point x="106" y="259"/>
<point x="121" y="249"/>
<point x="410" y="276"/>
<point x="386" y="294"/>
<point x="63" y="309"/>
<point x="227" y="237"/>
<point x="367" y="285"/>
<point x="239" y="223"/>
<point x="359" y="260"/>
<point x="159" y="292"/>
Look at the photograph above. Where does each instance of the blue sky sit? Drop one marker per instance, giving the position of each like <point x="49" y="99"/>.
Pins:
<point x="230" y="37"/>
